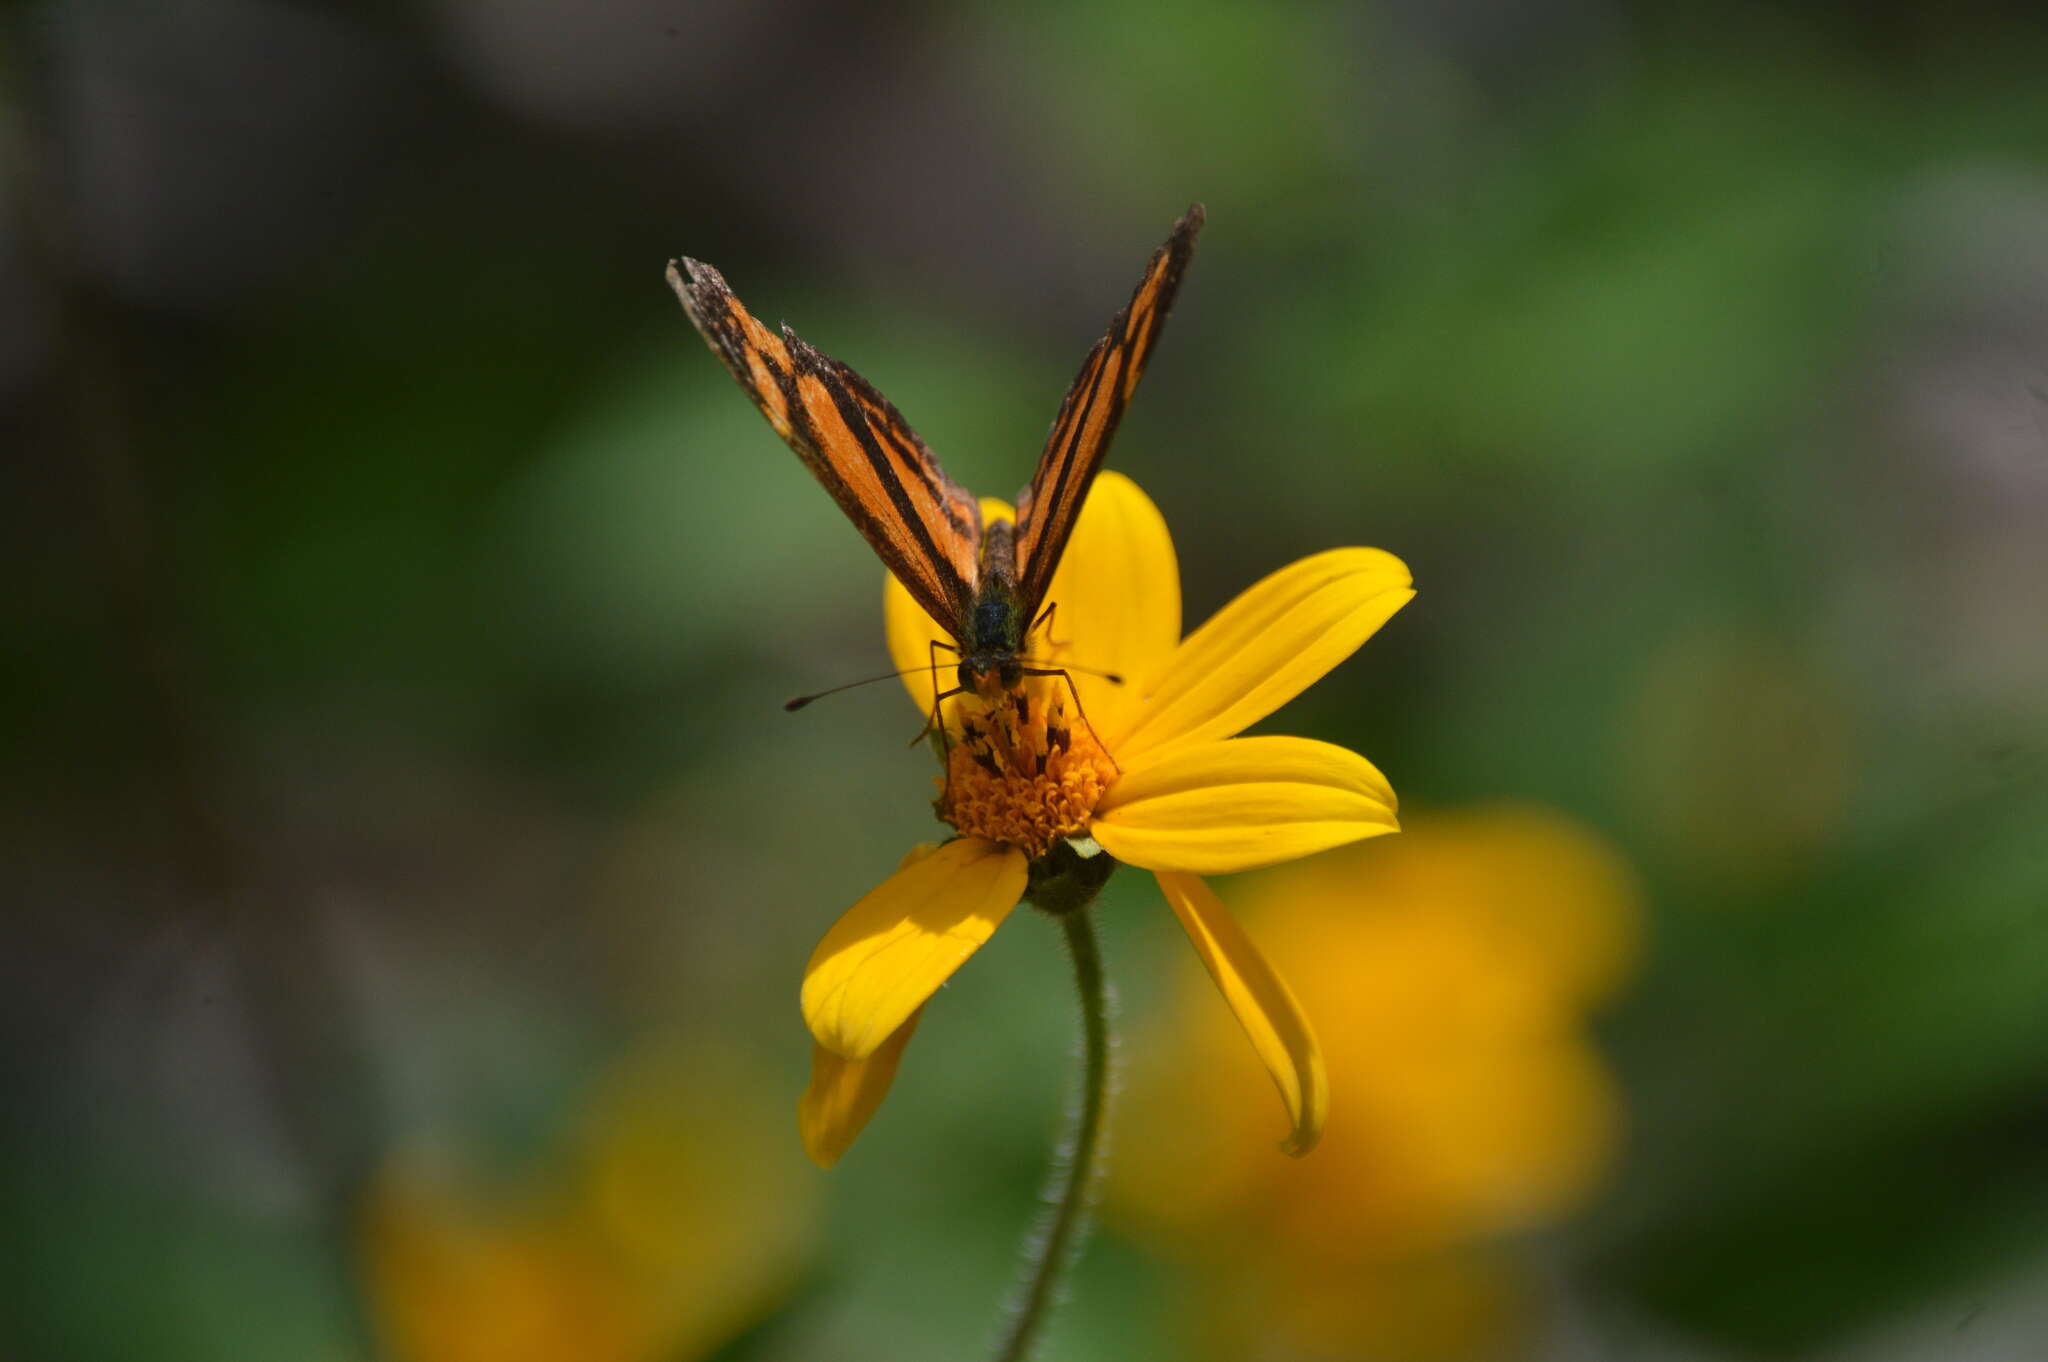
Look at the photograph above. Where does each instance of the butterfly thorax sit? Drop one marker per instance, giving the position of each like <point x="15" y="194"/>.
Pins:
<point x="992" y="634"/>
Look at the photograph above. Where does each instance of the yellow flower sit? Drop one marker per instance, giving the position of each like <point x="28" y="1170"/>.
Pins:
<point x="1149" y="771"/>
<point x="662" y="1230"/>
<point x="1454" y="970"/>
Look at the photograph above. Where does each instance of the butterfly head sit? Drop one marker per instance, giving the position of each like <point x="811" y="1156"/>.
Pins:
<point x="991" y="675"/>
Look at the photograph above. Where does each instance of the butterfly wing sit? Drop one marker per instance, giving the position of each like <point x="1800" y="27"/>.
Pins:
<point x="1089" y="414"/>
<point x="924" y="526"/>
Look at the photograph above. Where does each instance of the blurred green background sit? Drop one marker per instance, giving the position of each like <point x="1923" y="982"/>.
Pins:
<point x="408" y="869"/>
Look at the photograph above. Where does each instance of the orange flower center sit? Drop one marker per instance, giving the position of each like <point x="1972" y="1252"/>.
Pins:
<point x="1026" y="770"/>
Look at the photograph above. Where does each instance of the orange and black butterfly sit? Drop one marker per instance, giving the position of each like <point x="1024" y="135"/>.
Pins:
<point x="983" y="586"/>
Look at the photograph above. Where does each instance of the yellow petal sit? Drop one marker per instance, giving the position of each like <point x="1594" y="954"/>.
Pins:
<point x="845" y="1093"/>
<point x="1218" y="807"/>
<point x="1265" y="1006"/>
<point x="1116" y="603"/>
<point x="1268" y="646"/>
<point x="911" y="632"/>
<point x="890" y="951"/>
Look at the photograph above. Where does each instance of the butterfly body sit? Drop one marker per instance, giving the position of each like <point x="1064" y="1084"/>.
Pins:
<point x="993" y="633"/>
<point x="983" y="585"/>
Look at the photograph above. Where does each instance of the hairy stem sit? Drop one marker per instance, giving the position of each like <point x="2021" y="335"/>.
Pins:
<point x="1053" y="1247"/>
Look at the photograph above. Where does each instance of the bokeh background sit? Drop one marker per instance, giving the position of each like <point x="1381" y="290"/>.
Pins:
<point x="408" y="869"/>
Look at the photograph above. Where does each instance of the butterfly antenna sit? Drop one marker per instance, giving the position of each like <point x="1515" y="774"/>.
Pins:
<point x="794" y="705"/>
<point x="1113" y="678"/>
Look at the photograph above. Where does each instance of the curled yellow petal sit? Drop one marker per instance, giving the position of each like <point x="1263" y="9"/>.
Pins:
<point x="845" y="1093"/>
<point x="1218" y="807"/>
<point x="1115" y="601"/>
<point x="889" y="952"/>
<point x="1265" y="1007"/>
<point x="1268" y="646"/>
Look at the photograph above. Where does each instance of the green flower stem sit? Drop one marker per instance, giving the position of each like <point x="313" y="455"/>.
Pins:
<point x="1054" y="1247"/>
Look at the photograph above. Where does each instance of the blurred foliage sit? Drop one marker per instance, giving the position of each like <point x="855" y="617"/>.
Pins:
<point x="402" y="599"/>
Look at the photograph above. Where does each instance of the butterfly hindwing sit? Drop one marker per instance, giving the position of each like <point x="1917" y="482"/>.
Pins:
<point x="1089" y="414"/>
<point x="924" y="526"/>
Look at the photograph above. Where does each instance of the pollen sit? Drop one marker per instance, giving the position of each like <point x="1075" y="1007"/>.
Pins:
<point x="1025" y="770"/>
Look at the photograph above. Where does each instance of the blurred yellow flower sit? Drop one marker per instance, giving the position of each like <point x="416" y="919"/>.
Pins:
<point x="662" y="1229"/>
<point x="1453" y="969"/>
<point x="1148" y="771"/>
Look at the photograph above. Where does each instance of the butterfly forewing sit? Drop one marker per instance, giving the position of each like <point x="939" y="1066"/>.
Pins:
<point x="924" y="526"/>
<point x="1089" y="414"/>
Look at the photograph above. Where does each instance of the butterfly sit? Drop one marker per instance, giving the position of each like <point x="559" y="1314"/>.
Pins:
<point x="983" y="585"/>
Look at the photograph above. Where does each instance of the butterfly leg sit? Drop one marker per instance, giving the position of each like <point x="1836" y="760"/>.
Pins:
<point x="939" y="697"/>
<point x="1044" y="621"/>
<point x="932" y="721"/>
<point x="1064" y="675"/>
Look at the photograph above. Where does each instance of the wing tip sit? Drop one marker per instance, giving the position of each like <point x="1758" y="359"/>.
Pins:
<point x="697" y="286"/>
<point x="1180" y="243"/>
